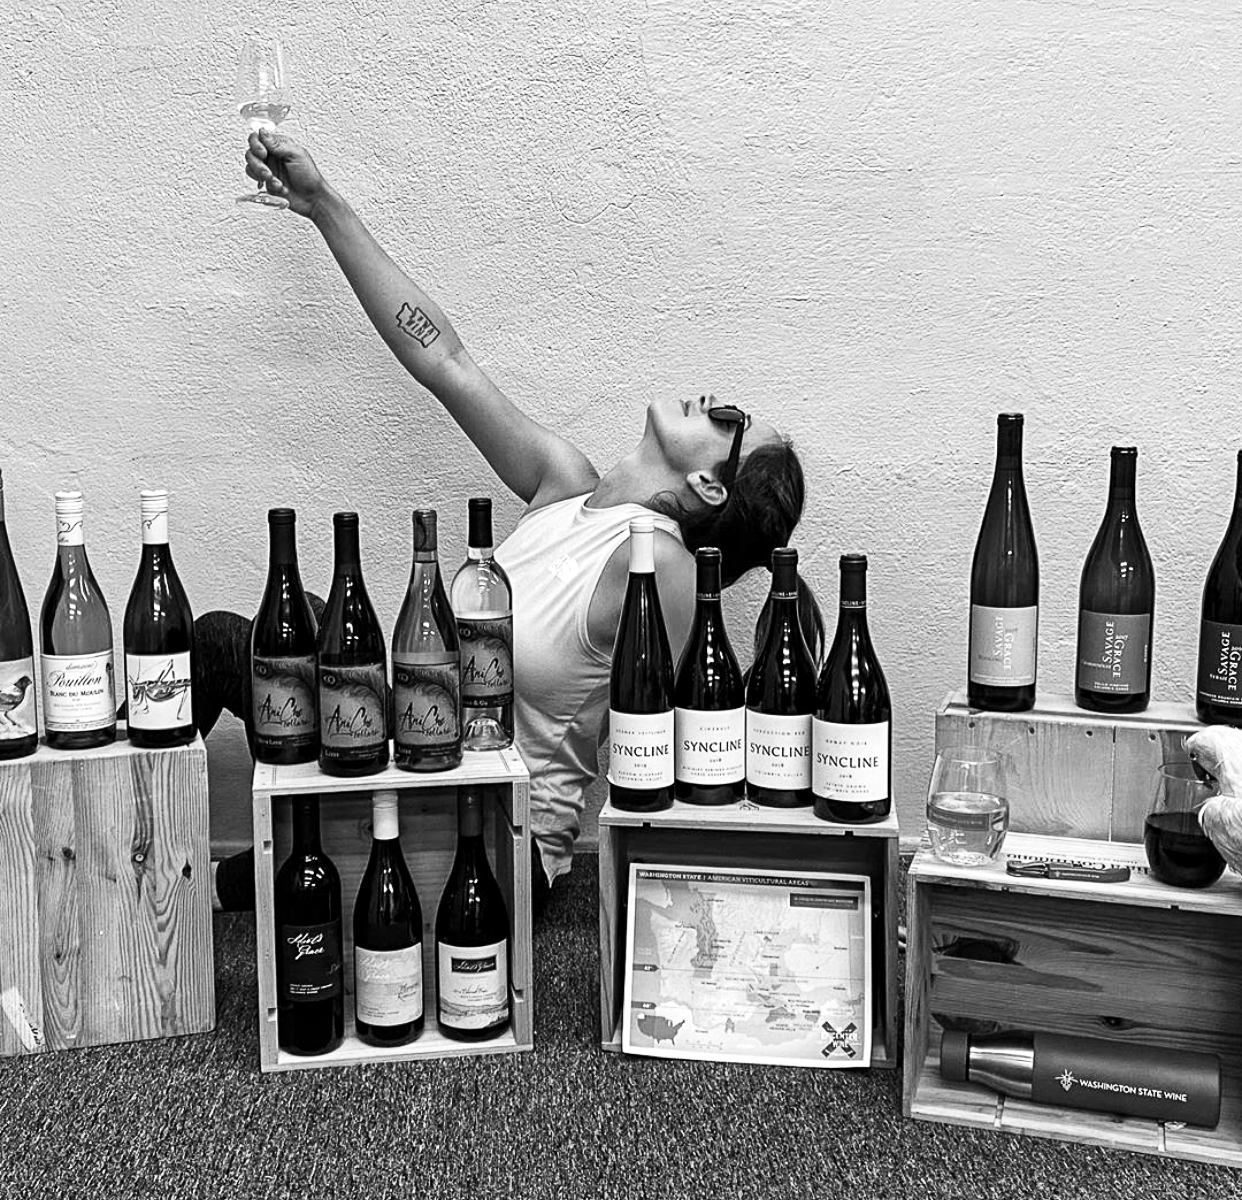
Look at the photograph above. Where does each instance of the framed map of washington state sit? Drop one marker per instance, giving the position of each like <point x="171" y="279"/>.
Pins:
<point x="746" y="965"/>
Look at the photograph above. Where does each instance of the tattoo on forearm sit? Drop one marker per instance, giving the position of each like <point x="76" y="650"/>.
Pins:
<point x="417" y="324"/>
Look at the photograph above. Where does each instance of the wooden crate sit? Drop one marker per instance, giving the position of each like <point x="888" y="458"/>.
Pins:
<point x="105" y="897"/>
<point x="745" y="835"/>
<point x="1073" y="773"/>
<point x="428" y="816"/>
<point x="1134" y="962"/>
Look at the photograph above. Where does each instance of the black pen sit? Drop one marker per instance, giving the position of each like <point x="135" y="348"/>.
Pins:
<point x="1078" y="872"/>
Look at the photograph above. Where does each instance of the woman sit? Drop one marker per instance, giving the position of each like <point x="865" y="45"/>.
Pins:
<point x="710" y="475"/>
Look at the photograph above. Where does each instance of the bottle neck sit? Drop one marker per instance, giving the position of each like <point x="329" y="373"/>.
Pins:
<point x="1009" y="446"/>
<point x="1121" y="480"/>
<point x="385" y="823"/>
<point x="479" y="530"/>
<point x="306" y="827"/>
<point x="1237" y="495"/>
<point x="853" y="592"/>
<point x="1" y="504"/>
<point x="345" y="548"/>
<point x="282" y="548"/>
<point x="469" y="819"/>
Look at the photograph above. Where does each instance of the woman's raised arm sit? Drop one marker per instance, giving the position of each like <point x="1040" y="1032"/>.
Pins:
<point x="532" y="461"/>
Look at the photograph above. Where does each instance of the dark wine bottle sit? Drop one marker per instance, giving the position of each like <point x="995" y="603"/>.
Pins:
<point x="283" y="639"/>
<point x="159" y="640"/>
<point x="1218" y="689"/>
<point x="1116" y="604"/>
<point x="75" y="642"/>
<point x="388" y="938"/>
<point x="472" y="937"/>
<point x="640" y="705"/>
<point x="310" y="968"/>
<point x="852" y="731"/>
<point x="780" y="699"/>
<point x="482" y="601"/>
<point x="353" y="686"/>
<point x="709" y="717"/>
<point x="1004" y="586"/>
<point x="426" y="663"/>
<point x="19" y="723"/>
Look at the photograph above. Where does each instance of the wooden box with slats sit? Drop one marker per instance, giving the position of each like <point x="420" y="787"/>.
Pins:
<point x="105" y="897"/>
<point x="427" y="808"/>
<point x="745" y="835"/>
<point x="1136" y="962"/>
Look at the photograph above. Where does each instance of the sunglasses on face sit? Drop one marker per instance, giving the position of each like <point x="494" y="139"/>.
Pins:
<point x="730" y="414"/>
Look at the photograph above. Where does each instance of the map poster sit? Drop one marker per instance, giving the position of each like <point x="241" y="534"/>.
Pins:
<point x="742" y="965"/>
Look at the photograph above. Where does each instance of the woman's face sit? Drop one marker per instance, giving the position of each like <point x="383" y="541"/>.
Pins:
<point x="691" y="441"/>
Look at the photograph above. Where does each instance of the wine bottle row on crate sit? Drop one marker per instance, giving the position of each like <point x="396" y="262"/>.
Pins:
<point x="784" y="738"/>
<point x="1116" y="601"/>
<point x="471" y="940"/>
<point x="76" y="661"/>
<point x="321" y="692"/>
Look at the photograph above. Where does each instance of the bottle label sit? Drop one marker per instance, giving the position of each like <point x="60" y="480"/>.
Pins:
<point x="311" y="955"/>
<point x="1112" y="652"/>
<point x="282" y="692"/>
<point x="474" y="985"/>
<point x="1220" y="663"/>
<point x="486" y="661"/>
<point x="778" y="750"/>
<point x="388" y="985"/>
<point x="851" y="762"/>
<point x="640" y="749"/>
<point x="17" y="699"/>
<point x="426" y="696"/>
<point x="159" y="690"/>
<point x="352" y="709"/>
<point x="710" y="746"/>
<point x="1003" y="645"/>
<point x="78" y="692"/>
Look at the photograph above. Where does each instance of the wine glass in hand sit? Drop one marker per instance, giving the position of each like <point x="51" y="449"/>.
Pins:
<point x="263" y="99"/>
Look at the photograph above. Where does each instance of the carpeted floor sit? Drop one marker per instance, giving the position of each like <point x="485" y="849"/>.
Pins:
<point x="194" y="1117"/>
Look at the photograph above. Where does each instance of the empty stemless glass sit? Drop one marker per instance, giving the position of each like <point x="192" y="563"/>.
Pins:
<point x="967" y="809"/>
<point x="1178" y="851"/>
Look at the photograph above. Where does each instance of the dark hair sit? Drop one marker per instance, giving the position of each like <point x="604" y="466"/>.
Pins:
<point x="763" y="508"/>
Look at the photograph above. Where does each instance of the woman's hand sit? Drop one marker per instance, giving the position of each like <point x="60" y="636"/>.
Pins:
<point x="287" y="170"/>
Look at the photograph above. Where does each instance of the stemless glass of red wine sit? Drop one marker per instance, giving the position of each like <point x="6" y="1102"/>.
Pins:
<point x="1178" y="851"/>
<point x="263" y="100"/>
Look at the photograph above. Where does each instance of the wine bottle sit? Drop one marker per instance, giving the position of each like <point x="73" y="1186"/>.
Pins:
<point x="1218" y="689"/>
<point x="482" y="602"/>
<point x="472" y="937"/>
<point x="852" y="730"/>
<point x="310" y="968"/>
<point x="1004" y="586"/>
<point x="352" y="684"/>
<point x="159" y="639"/>
<point x="388" y="938"/>
<point x="19" y="724"/>
<point x="709" y="717"/>
<point x="283" y="638"/>
<point x="75" y="642"/>
<point x="1116" y="604"/>
<point x="426" y="663"/>
<point x="640" y="707"/>
<point x="1136" y="1079"/>
<point x="780" y="699"/>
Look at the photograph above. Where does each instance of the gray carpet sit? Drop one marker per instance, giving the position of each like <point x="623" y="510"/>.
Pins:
<point x="194" y="1117"/>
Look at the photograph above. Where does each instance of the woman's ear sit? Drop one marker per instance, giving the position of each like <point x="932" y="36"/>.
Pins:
<point x="708" y="488"/>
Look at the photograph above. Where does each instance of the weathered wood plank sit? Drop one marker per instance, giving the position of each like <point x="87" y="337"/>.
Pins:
<point x="114" y="853"/>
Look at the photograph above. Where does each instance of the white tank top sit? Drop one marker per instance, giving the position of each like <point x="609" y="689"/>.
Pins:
<point x="554" y="559"/>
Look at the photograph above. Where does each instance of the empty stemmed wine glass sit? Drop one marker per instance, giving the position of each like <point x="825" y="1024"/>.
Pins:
<point x="263" y="99"/>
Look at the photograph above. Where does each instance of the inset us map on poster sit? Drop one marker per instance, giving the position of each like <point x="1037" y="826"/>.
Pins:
<point x="745" y="965"/>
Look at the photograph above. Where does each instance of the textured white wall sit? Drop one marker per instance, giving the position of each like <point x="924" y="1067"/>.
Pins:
<point x="877" y="224"/>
